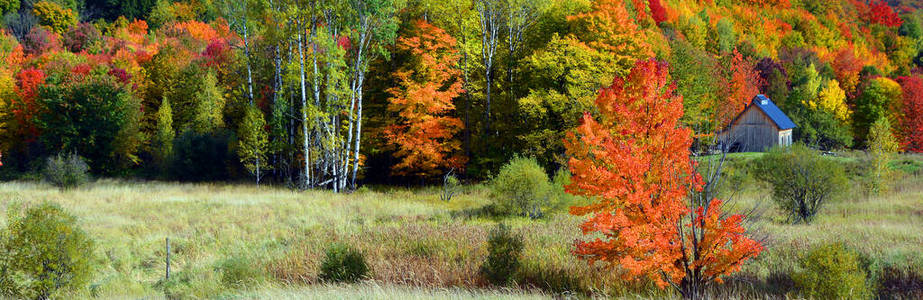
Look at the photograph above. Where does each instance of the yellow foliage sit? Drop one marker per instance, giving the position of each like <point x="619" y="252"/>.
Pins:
<point x="832" y="99"/>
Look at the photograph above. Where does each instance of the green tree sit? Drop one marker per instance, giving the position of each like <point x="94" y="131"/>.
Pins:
<point x="44" y="251"/>
<point x="881" y="98"/>
<point x="882" y="146"/>
<point x="162" y="143"/>
<point x="253" y="141"/>
<point x="8" y="6"/>
<point x="199" y="103"/>
<point x="564" y="77"/>
<point x="55" y="17"/>
<point x="97" y="118"/>
<point x="802" y="180"/>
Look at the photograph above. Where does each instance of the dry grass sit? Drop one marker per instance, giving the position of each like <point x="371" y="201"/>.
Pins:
<point x="417" y="245"/>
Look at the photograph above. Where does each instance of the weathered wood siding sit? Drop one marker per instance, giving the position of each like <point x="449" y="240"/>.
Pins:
<point x="754" y="131"/>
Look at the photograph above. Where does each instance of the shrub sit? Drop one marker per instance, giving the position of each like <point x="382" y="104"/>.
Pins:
<point x="79" y="37"/>
<point x="44" y="251"/>
<point x="504" y="249"/>
<point x="343" y="264"/>
<point x="237" y="272"/>
<point x="66" y="171"/>
<point x="521" y="188"/>
<point x="831" y="272"/>
<point x="802" y="181"/>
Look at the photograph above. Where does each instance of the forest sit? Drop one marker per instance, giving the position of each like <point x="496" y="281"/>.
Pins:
<point x="602" y="116"/>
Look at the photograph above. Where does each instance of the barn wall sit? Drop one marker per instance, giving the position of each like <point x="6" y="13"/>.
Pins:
<point x="754" y="131"/>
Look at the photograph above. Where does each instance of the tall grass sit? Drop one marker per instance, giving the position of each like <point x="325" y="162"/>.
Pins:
<point x="417" y="246"/>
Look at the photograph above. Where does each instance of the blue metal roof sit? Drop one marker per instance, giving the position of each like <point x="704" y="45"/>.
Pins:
<point x="773" y="111"/>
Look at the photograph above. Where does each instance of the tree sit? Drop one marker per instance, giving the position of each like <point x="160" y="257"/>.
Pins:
<point x="635" y="161"/>
<point x="882" y="146"/>
<point x="200" y="104"/>
<point x="490" y="14"/>
<point x="8" y="6"/>
<point x="882" y="13"/>
<point x="608" y="28"/>
<point x="47" y="251"/>
<point x="424" y="130"/>
<point x="253" y="141"/>
<point x="58" y="19"/>
<point x="742" y="85"/>
<point x="911" y="125"/>
<point x="802" y="181"/>
<point x="25" y="109"/>
<point x="164" y="134"/>
<point x="96" y="118"/>
<point x="881" y="98"/>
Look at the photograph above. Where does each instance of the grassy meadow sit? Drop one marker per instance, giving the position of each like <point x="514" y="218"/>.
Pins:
<point x="244" y="241"/>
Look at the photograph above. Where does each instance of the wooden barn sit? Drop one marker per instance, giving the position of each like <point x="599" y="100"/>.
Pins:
<point x="759" y="127"/>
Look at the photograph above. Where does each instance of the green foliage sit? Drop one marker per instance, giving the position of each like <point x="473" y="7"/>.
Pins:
<point x="162" y="142"/>
<point x="44" y="251"/>
<point x="880" y="98"/>
<point x="802" y="180"/>
<point x="521" y="188"/>
<point x="882" y="146"/>
<point x="96" y="118"/>
<point x="66" y="171"/>
<point x="727" y="37"/>
<point x="199" y="102"/>
<point x="343" y="264"/>
<point x="8" y="6"/>
<point x="253" y="141"/>
<point x="832" y="272"/>
<point x="53" y="16"/>
<point x="504" y="249"/>
<point x="566" y="76"/>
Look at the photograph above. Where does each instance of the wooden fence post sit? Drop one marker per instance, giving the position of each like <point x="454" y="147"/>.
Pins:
<point x="168" y="258"/>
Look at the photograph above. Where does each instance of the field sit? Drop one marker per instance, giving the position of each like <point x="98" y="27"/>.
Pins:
<point x="243" y="241"/>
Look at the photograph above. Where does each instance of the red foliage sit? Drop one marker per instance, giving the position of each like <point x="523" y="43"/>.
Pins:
<point x="658" y="12"/>
<point x="39" y="41"/>
<point x="24" y="110"/>
<point x="217" y="53"/>
<point x="121" y="75"/>
<point x="344" y="42"/>
<point x="912" y="119"/>
<point x="635" y="161"/>
<point x="881" y="13"/>
<point x="846" y="67"/>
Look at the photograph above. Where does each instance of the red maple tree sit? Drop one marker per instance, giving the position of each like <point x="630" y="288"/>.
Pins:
<point x="744" y="83"/>
<point x="912" y="119"/>
<point x="634" y="159"/>
<point x="881" y="13"/>
<point x="24" y="110"/>
<point x="423" y="134"/>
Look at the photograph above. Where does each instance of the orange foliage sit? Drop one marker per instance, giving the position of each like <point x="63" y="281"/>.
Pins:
<point x="634" y="160"/>
<point x="912" y="117"/>
<point x="609" y="29"/>
<point x="744" y="83"/>
<point x="424" y="132"/>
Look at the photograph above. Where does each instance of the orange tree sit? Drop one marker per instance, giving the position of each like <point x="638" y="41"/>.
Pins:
<point x="634" y="160"/>
<point x="423" y="134"/>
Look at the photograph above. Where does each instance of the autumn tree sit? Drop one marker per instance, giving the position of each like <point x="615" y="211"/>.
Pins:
<point x="742" y="84"/>
<point x="608" y="28"/>
<point x="58" y="19"/>
<point x="911" y="125"/>
<point x="634" y="159"/>
<point x="253" y="141"/>
<point x="881" y="148"/>
<point x="423" y="134"/>
<point x="881" y="98"/>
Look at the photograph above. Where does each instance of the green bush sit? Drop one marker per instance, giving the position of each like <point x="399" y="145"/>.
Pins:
<point x="66" y="171"/>
<point x="802" y="180"/>
<point x="504" y="249"/>
<point x="343" y="264"/>
<point x="832" y="272"/>
<point x="44" y="251"/>
<point x="521" y="188"/>
<point x="238" y="272"/>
